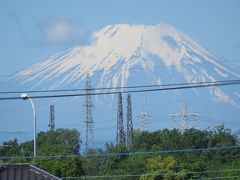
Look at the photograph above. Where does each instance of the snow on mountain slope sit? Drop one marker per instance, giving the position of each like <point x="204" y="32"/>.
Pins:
<point x="160" y="52"/>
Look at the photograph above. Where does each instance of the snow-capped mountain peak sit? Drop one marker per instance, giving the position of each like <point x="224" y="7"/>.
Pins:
<point x="116" y="52"/>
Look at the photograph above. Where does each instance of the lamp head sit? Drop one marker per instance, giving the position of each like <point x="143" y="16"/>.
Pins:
<point x="24" y="96"/>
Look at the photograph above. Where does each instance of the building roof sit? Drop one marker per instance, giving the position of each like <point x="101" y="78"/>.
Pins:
<point x="24" y="171"/>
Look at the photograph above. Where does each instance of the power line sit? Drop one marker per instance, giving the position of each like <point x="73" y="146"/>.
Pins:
<point x="221" y="177"/>
<point x="212" y="120"/>
<point x="116" y="88"/>
<point x="193" y="85"/>
<point x="154" y="174"/>
<point x="181" y="163"/>
<point x="15" y="132"/>
<point x="125" y="153"/>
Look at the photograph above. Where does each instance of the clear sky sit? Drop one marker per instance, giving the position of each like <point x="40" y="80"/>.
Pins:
<point x="31" y="30"/>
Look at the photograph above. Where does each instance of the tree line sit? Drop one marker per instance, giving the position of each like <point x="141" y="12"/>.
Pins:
<point x="124" y="165"/>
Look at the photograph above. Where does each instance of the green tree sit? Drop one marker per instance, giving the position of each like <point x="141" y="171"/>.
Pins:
<point x="221" y="136"/>
<point x="62" y="167"/>
<point x="162" y="167"/>
<point x="194" y="138"/>
<point x="114" y="164"/>
<point x="93" y="165"/>
<point x="10" y="148"/>
<point x="59" y="142"/>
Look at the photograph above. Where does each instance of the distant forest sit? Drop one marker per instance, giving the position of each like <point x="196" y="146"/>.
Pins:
<point x="163" y="154"/>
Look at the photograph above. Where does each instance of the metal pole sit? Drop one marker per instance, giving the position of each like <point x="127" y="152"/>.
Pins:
<point x="24" y="96"/>
<point x="34" y="128"/>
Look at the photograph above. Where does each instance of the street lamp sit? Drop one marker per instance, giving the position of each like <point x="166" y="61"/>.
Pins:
<point x="25" y="96"/>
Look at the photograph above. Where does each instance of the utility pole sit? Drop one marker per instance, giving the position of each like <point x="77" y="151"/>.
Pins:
<point x="129" y="138"/>
<point x="89" y="123"/>
<point x="184" y="115"/>
<point x="120" y="127"/>
<point x="51" y="123"/>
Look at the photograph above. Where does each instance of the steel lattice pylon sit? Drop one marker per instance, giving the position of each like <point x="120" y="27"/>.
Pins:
<point x="51" y="124"/>
<point x="144" y="117"/>
<point x="129" y="135"/>
<point x="185" y="116"/>
<point x="120" y="127"/>
<point x="89" y="123"/>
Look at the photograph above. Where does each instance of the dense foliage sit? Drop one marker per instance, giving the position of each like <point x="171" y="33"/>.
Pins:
<point x="163" y="165"/>
<point x="51" y="143"/>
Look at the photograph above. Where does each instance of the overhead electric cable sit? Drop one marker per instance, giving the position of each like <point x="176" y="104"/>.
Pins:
<point x="200" y="85"/>
<point x="153" y="174"/>
<point x="118" y="87"/>
<point x="125" y="153"/>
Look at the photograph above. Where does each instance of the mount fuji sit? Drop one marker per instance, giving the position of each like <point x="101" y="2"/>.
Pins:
<point x="136" y="54"/>
<point x="140" y="54"/>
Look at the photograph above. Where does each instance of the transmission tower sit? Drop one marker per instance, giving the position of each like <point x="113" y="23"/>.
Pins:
<point x="51" y="123"/>
<point x="184" y="116"/>
<point x="144" y="117"/>
<point x="89" y="123"/>
<point x="120" y="127"/>
<point x="129" y="138"/>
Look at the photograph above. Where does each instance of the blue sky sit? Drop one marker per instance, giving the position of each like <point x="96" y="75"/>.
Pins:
<point x="30" y="29"/>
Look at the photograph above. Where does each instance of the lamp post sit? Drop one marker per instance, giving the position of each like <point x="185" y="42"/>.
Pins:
<point x="25" y="96"/>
